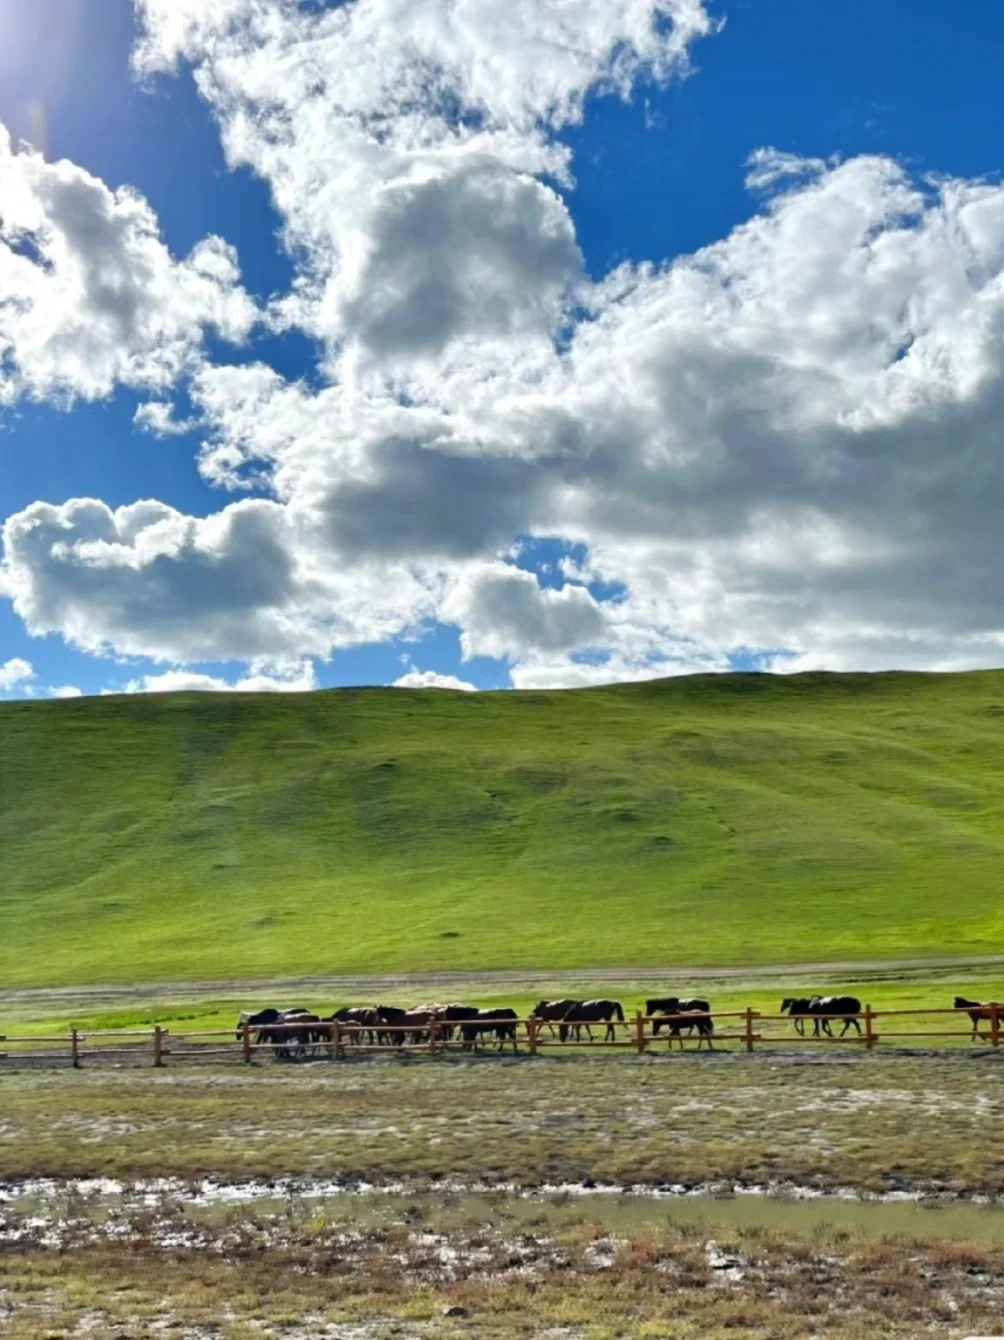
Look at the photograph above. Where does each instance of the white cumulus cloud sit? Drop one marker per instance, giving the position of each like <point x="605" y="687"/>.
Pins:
<point x="14" y="672"/>
<point x="402" y="141"/>
<point x="90" y="297"/>
<point x="504" y="612"/>
<point x="299" y="677"/>
<point x="784" y="445"/>
<point x="431" y="679"/>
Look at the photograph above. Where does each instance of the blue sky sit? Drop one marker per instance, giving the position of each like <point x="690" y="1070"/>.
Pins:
<point x="583" y="471"/>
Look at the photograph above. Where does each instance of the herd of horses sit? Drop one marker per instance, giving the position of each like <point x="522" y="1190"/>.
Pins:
<point x="297" y="1033"/>
<point x="294" y="1033"/>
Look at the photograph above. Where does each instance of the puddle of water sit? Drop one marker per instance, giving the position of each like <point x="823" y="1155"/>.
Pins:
<point x="616" y="1209"/>
<point x="964" y="1222"/>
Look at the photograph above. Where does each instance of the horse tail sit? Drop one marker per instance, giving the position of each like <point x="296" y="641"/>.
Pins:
<point x="618" y="1011"/>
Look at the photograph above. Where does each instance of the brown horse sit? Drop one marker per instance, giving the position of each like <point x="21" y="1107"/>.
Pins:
<point x="979" y="1013"/>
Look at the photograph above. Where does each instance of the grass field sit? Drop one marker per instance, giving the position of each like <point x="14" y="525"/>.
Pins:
<point x="202" y="1009"/>
<point x="709" y="820"/>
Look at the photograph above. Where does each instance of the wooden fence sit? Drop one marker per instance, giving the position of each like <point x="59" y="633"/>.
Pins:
<point x="750" y="1029"/>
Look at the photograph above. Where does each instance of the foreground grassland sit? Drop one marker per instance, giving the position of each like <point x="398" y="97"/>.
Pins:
<point x="717" y="820"/>
<point x="560" y="1275"/>
<point x="870" y="1123"/>
<point x="372" y="1266"/>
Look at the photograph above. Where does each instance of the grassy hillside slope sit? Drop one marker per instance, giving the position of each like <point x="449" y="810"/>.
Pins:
<point x="713" y="819"/>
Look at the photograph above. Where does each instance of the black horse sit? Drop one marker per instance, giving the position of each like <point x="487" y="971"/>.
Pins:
<point x="823" y="1009"/>
<point x="680" y="1006"/>
<point x="502" y="1022"/>
<point x="455" y="1016"/>
<point x="980" y="1013"/>
<point x="675" y="1005"/>
<point x="392" y="1018"/>
<point x="796" y="1007"/>
<point x="582" y="1013"/>
<point x="256" y="1022"/>
<point x="275" y="1028"/>
<point x="552" y="1012"/>
<point x="269" y="1029"/>
<point x="362" y="1020"/>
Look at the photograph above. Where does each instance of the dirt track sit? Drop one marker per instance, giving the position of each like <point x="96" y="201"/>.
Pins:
<point x="363" y="986"/>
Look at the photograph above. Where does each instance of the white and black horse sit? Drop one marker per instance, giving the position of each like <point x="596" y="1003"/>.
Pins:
<point x="824" y="1010"/>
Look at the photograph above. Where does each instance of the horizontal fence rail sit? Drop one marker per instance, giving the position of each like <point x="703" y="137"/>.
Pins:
<point x="337" y="1040"/>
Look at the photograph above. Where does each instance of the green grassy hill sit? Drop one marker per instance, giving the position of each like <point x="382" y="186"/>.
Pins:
<point x="712" y="820"/>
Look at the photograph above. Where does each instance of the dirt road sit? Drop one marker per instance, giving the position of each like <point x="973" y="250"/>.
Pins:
<point x="527" y="981"/>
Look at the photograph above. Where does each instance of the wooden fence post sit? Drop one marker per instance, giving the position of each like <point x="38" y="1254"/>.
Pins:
<point x="639" y="1032"/>
<point x="995" y="1025"/>
<point x="75" y="1049"/>
<point x="336" y="1038"/>
<point x="433" y="1036"/>
<point x="158" y="1045"/>
<point x="531" y="1036"/>
<point x="870" y="1038"/>
<point x="750" y="1016"/>
<point x="246" y="1042"/>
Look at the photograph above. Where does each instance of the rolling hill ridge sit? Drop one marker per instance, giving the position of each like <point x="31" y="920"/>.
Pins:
<point x="719" y="820"/>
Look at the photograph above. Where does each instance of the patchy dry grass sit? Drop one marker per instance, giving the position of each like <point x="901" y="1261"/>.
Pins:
<point x="873" y="1123"/>
<point x="560" y="1276"/>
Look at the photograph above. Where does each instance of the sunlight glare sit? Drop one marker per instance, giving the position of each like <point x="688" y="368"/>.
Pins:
<point x="38" y="41"/>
